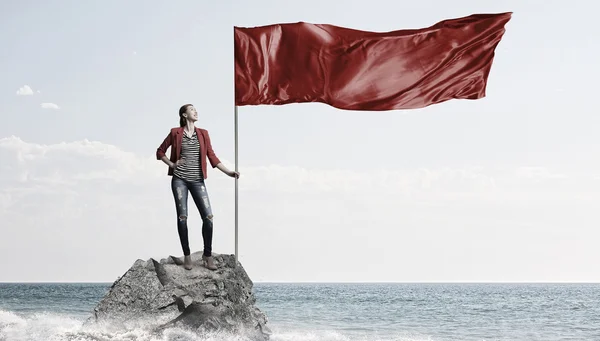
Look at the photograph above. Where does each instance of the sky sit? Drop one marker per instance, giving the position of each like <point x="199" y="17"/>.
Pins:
<point x="501" y="189"/>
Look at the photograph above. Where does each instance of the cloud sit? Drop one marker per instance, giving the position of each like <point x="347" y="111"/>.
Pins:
<point x="75" y="163"/>
<point x="538" y="173"/>
<point x="109" y="207"/>
<point x="70" y="164"/>
<point x="49" y="106"/>
<point x="96" y="160"/>
<point x="25" y="90"/>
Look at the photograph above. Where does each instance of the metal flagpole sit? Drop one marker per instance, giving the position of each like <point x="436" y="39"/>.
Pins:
<point x="235" y="127"/>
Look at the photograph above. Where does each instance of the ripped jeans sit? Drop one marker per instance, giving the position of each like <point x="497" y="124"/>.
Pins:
<point x="180" y="189"/>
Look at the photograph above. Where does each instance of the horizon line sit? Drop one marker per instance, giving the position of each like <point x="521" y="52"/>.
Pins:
<point x="334" y="282"/>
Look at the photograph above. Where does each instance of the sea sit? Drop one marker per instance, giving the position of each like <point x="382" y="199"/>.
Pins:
<point x="334" y="311"/>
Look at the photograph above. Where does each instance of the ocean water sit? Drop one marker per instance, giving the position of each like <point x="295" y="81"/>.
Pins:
<point x="321" y="312"/>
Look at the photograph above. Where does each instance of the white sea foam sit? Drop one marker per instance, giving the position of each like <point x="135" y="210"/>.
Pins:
<point x="55" y="327"/>
<point x="336" y="336"/>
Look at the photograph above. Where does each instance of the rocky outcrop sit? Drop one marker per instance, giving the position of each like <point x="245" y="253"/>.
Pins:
<point x="200" y="299"/>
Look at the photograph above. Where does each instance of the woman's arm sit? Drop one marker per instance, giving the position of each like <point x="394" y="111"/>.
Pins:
<point x="214" y="160"/>
<point x="168" y="162"/>
<point x="226" y="170"/>
<point x="162" y="149"/>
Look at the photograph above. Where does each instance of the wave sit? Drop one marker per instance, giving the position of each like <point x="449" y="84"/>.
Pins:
<point x="56" y="327"/>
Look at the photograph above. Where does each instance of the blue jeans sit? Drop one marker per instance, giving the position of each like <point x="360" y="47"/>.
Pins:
<point x="197" y="188"/>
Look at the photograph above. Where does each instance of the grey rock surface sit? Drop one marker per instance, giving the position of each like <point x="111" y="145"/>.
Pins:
<point x="164" y="294"/>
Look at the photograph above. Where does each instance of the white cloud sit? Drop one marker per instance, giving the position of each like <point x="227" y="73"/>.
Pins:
<point x="49" y="106"/>
<point x="538" y="173"/>
<point x="109" y="207"/>
<point x="96" y="160"/>
<point x="25" y="90"/>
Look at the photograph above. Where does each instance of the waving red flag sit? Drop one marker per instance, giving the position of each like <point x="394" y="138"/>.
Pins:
<point x="359" y="70"/>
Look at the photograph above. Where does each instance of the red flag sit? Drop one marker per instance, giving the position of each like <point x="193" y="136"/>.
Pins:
<point x="359" y="70"/>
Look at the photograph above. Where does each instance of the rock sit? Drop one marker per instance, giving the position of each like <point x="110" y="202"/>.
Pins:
<point x="201" y="299"/>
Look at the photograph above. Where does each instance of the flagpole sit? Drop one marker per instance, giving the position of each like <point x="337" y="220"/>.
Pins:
<point x="235" y="128"/>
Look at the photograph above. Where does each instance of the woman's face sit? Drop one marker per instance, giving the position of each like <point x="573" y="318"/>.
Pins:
<point x="191" y="113"/>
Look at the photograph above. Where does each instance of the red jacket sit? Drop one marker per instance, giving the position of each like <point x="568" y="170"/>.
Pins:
<point x="173" y="140"/>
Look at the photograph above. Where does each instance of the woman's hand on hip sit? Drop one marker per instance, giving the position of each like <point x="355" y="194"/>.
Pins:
<point x="178" y="163"/>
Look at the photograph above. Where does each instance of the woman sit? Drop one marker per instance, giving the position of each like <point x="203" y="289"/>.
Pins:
<point x="190" y="146"/>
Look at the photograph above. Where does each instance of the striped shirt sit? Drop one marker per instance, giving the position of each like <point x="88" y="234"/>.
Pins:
<point x="190" y="170"/>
